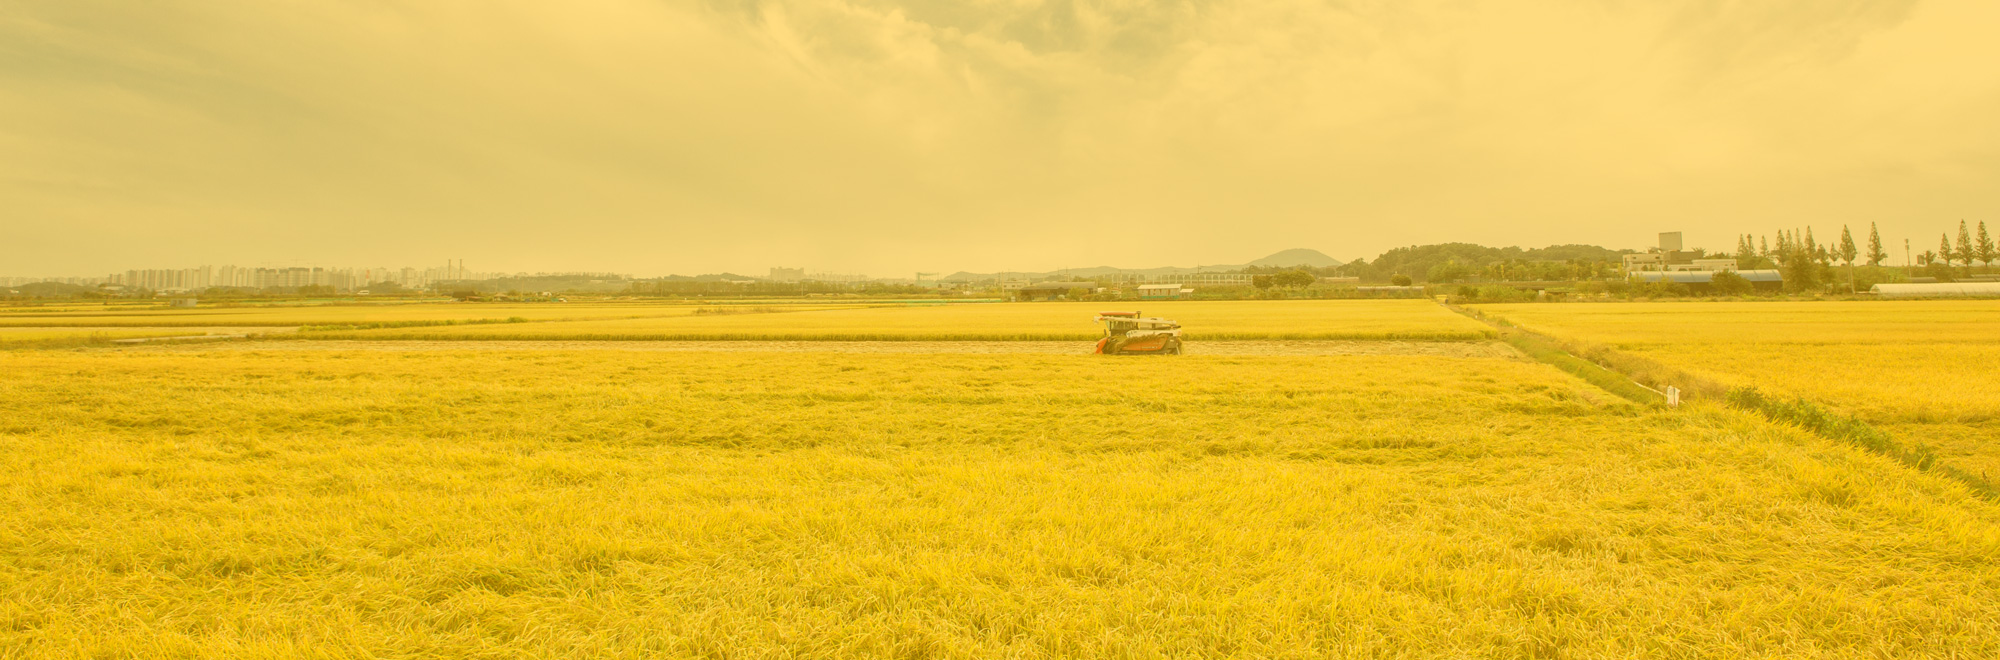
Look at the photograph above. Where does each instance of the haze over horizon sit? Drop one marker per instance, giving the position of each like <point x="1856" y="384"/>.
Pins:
<point x="887" y="137"/>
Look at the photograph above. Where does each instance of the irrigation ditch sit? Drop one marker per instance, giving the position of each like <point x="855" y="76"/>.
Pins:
<point x="1647" y="382"/>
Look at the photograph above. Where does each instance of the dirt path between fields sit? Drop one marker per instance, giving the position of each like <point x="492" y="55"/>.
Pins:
<point x="1467" y="349"/>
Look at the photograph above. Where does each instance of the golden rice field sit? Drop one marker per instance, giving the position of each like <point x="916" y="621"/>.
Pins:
<point x="1326" y="319"/>
<point x="1945" y="395"/>
<point x="353" y="314"/>
<point x="1922" y="370"/>
<point x="1705" y="323"/>
<point x="786" y="505"/>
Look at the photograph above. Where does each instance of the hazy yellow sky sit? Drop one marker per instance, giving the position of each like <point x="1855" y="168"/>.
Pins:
<point x="884" y="136"/>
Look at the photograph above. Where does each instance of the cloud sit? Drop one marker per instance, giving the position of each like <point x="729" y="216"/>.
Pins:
<point x="884" y="135"/>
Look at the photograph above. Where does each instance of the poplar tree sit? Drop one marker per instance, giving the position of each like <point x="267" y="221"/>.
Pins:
<point x="1847" y="253"/>
<point x="1985" y="247"/>
<point x="1875" y="253"/>
<point x="1944" y="249"/>
<point x="1965" y="250"/>
<point x="1764" y="245"/>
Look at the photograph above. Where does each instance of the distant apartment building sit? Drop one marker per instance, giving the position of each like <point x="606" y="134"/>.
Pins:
<point x="1672" y="255"/>
<point x="787" y="275"/>
<point x="1670" y="241"/>
<point x="1209" y="279"/>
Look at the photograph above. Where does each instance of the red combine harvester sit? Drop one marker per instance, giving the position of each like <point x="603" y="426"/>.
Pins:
<point x="1126" y="333"/>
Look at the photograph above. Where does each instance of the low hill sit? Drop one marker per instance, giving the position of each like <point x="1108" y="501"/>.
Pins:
<point x="1297" y="257"/>
<point x="1287" y="258"/>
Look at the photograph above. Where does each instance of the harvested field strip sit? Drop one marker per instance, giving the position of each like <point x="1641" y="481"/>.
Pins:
<point x="567" y="335"/>
<point x="55" y="338"/>
<point x="1462" y="349"/>
<point x="1235" y="320"/>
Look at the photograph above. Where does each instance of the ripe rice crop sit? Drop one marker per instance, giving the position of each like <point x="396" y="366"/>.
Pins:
<point x="1336" y="319"/>
<point x="579" y="504"/>
<point x="1921" y="370"/>
<point x="1946" y="395"/>
<point x="366" y="314"/>
<point x="1707" y="323"/>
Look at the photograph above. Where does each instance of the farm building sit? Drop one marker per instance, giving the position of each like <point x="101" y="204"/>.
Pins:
<point x="1162" y="291"/>
<point x="1699" y="280"/>
<point x="1938" y="290"/>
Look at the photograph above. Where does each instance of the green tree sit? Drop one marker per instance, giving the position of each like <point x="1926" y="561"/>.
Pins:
<point x="1261" y="281"/>
<point x="1940" y="269"/>
<point x="1985" y="248"/>
<point x="1400" y="280"/>
<point x="1944" y="249"/>
<point x="1966" y="252"/>
<point x="1801" y="274"/>
<point x="1293" y="279"/>
<point x="1875" y="253"/>
<point x="1847" y="253"/>
<point x="1449" y="271"/>
<point x="1730" y="284"/>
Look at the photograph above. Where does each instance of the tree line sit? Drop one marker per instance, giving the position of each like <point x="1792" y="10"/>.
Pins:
<point x="1806" y="262"/>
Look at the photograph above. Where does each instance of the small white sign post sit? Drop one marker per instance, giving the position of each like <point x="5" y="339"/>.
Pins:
<point x="1673" y="397"/>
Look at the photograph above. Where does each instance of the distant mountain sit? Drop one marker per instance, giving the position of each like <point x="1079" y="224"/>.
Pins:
<point x="1293" y="257"/>
<point x="712" y="277"/>
<point x="1297" y="257"/>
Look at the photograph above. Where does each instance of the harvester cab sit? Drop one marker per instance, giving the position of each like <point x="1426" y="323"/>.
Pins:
<point x="1127" y="333"/>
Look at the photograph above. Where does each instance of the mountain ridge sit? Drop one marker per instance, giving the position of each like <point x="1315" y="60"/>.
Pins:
<point x="1292" y="257"/>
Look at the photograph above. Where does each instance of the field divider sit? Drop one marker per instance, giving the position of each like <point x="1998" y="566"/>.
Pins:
<point x="1798" y="413"/>
<point x="1548" y="350"/>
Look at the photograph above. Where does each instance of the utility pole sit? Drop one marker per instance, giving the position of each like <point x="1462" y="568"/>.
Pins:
<point x="1906" y="254"/>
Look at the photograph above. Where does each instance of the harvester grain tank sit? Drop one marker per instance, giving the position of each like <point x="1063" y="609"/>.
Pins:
<point x="1128" y="333"/>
